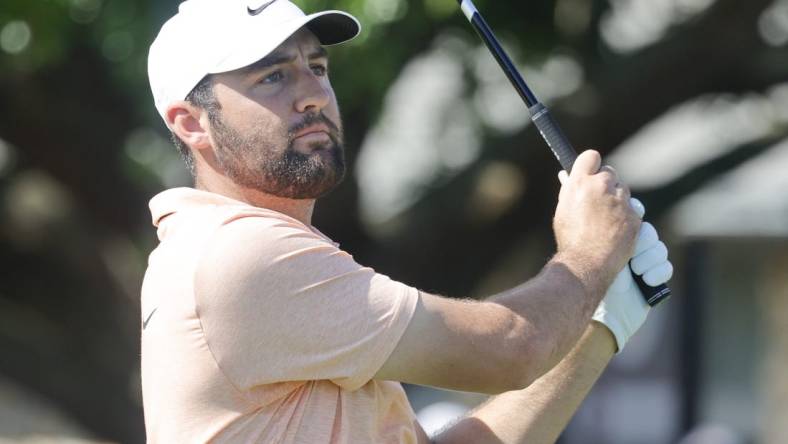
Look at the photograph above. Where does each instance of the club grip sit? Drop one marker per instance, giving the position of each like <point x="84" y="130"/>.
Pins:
<point x="653" y="295"/>
<point x="559" y="144"/>
<point x="562" y="149"/>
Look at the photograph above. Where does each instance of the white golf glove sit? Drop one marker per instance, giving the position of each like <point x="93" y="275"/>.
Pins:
<point x="624" y="309"/>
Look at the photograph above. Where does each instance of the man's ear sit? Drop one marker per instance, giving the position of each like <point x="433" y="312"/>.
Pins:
<point x="184" y="119"/>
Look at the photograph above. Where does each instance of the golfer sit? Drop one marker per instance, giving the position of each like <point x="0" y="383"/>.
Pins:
<point x="258" y="328"/>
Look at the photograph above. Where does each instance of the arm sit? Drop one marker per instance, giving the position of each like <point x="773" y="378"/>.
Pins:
<point x="510" y="340"/>
<point x="497" y="345"/>
<point x="538" y="414"/>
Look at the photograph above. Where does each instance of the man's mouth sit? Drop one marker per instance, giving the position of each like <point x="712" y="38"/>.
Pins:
<point x="313" y="131"/>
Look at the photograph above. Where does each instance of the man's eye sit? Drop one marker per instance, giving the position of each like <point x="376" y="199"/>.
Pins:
<point x="274" y="77"/>
<point x="319" y="70"/>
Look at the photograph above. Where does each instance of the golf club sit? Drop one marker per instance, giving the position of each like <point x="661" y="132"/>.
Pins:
<point x="548" y="127"/>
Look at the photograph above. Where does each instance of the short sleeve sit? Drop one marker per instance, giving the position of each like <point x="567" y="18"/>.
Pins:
<point x="278" y="303"/>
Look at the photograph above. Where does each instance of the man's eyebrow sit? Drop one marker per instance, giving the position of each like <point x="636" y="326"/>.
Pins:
<point x="275" y="58"/>
<point x="318" y="53"/>
<point x="267" y="62"/>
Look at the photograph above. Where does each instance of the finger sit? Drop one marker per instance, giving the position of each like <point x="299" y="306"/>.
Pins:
<point x="609" y="175"/>
<point x="587" y="163"/>
<point x="659" y="275"/>
<point x="563" y="177"/>
<point x="647" y="238"/>
<point x="638" y="207"/>
<point x="622" y="191"/>
<point x="610" y="170"/>
<point x="650" y="258"/>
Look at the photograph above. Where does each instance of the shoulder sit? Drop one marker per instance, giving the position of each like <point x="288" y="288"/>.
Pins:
<point x="253" y="250"/>
<point x="259" y="234"/>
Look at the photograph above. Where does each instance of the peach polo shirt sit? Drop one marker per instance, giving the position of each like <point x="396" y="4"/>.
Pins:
<point x="259" y="329"/>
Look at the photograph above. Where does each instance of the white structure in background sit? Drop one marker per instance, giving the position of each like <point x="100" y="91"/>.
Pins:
<point x="747" y="201"/>
<point x="692" y="133"/>
<point x="750" y="201"/>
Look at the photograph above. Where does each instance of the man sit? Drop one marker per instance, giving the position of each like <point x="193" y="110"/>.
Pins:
<point x="258" y="328"/>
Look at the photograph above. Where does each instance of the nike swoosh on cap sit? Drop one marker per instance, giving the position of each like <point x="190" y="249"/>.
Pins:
<point x="260" y="9"/>
<point x="145" y="322"/>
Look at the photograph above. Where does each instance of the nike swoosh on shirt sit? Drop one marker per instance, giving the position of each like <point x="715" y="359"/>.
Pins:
<point x="145" y="322"/>
<point x="260" y="9"/>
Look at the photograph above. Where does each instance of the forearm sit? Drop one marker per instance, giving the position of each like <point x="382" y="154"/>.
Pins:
<point x="538" y="413"/>
<point x="556" y="306"/>
<point x="498" y="345"/>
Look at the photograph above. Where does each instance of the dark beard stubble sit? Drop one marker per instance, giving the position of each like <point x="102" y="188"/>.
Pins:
<point x="256" y="160"/>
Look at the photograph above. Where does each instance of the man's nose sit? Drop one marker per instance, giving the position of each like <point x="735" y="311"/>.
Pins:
<point x="313" y="92"/>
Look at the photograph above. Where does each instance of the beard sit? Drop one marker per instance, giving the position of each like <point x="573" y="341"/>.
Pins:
<point x="266" y="159"/>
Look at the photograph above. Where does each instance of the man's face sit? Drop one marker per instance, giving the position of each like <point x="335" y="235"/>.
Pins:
<point x="278" y="129"/>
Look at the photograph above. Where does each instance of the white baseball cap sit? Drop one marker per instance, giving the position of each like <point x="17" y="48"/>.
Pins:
<point x="214" y="36"/>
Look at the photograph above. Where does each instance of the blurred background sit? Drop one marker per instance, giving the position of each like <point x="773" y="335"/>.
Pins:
<point x="452" y="192"/>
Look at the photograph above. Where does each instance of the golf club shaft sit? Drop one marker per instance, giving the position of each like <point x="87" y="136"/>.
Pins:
<point x="547" y="126"/>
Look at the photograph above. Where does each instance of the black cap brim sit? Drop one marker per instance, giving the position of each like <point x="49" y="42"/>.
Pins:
<point x="333" y="27"/>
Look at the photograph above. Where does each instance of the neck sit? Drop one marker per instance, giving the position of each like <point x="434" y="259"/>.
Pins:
<point x="300" y="209"/>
